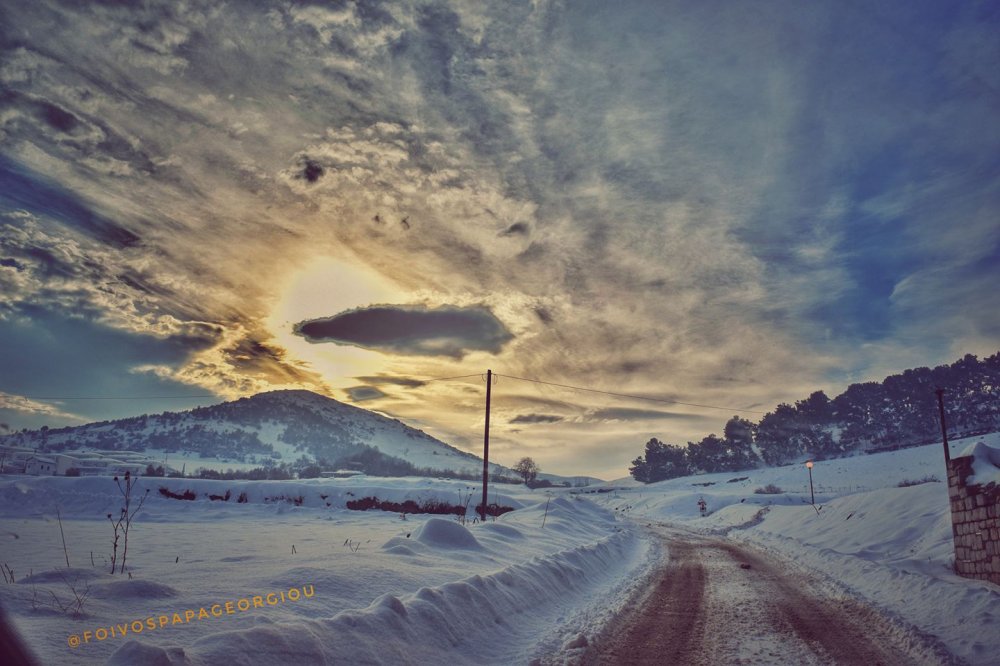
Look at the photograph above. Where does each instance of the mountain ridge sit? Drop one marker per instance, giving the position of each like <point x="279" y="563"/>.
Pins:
<point x="282" y="425"/>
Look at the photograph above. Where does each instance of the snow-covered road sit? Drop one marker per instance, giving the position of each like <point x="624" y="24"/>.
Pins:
<point x="713" y="601"/>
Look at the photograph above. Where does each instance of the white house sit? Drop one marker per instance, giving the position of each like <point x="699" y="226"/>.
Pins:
<point x="40" y="466"/>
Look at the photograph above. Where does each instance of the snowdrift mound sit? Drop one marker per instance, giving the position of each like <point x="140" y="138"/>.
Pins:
<point x="985" y="463"/>
<point x="440" y="533"/>
<point x="395" y="547"/>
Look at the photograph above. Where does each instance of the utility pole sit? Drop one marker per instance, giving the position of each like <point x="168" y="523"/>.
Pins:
<point x="944" y="429"/>
<point x="486" y="443"/>
<point x="812" y="495"/>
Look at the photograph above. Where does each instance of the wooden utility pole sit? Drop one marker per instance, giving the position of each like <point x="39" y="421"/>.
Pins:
<point x="944" y="428"/>
<point x="486" y="443"/>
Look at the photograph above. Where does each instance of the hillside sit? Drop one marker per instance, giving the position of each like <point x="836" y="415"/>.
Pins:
<point x="268" y="428"/>
<point x="900" y="411"/>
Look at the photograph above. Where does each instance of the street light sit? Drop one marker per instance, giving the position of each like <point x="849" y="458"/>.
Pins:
<point x="812" y="496"/>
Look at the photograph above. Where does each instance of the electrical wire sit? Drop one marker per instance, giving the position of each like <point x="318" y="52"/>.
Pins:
<point x="442" y="379"/>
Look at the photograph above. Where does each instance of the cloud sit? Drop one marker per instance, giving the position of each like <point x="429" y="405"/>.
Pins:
<point x="20" y="403"/>
<point x="536" y="418"/>
<point x="62" y="356"/>
<point x="631" y="414"/>
<point x="362" y="393"/>
<point x="311" y="170"/>
<point x="22" y="189"/>
<point x="388" y="379"/>
<point x="664" y="199"/>
<point x="516" y="229"/>
<point x="411" y="330"/>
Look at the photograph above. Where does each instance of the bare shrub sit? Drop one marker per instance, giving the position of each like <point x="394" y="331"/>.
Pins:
<point x="906" y="483"/>
<point x="122" y="525"/>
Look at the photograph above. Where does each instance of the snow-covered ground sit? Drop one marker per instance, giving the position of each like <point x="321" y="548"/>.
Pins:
<point x="890" y="546"/>
<point x="370" y="587"/>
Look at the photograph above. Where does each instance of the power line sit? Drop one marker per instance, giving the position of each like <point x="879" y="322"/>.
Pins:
<point x="443" y="379"/>
<point x="626" y="395"/>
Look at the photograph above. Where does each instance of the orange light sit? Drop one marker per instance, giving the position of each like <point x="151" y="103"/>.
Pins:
<point x="809" y="464"/>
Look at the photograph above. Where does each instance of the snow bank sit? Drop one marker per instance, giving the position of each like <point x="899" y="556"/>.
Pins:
<point x="440" y="533"/>
<point x="481" y="618"/>
<point x="871" y="539"/>
<point x="892" y="548"/>
<point x="388" y="588"/>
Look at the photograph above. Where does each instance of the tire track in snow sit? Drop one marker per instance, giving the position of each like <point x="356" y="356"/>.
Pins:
<point x="717" y="602"/>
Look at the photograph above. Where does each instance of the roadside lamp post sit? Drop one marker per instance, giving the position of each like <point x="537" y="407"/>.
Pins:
<point x="812" y="495"/>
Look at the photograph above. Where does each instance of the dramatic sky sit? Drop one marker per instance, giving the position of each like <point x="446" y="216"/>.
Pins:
<point x="722" y="203"/>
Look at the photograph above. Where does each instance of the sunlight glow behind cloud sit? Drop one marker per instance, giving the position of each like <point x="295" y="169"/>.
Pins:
<point x="729" y="203"/>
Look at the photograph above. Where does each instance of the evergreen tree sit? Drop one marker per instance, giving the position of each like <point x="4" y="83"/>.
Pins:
<point x="660" y="462"/>
<point x="739" y="439"/>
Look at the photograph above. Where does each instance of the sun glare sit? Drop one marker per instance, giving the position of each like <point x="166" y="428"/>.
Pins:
<point x="323" y="288"/>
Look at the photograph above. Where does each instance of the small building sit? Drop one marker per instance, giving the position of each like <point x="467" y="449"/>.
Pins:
<point x="40" y="466"/>
<point x="64" y="462"/>
<point x="14" y="458"/>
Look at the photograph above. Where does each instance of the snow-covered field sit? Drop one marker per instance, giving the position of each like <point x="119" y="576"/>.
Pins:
<point x="371" y="587"/>
<point x="890" y="546"/>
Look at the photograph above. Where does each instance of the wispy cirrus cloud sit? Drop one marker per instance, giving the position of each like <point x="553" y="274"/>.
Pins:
<point x="722" y="204"/>
<point x="19" y="403"/>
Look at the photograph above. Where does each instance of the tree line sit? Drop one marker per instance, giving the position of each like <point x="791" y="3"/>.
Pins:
<point x="899" y="411"/>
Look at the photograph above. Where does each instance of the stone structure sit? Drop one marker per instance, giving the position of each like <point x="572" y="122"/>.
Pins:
<point x="975" y="523"/>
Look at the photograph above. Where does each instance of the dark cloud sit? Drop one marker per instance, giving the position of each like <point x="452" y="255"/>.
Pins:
<point x="396" y="381"/>
<point x="48" y="265"/>
<point x="254" y="356"/>
<point x="536" y="403"/>
<point x="362" y="393"/>
<point x="22" y="189"/>
<point x="629" y="367"/>
<point x="629" y="414"/>
<point x="12" y="263"/>
<point x="310" y="170"/>
<point x="412" y="330"/>
<point x="536" y="418"/>
<point x="57" y="117"/>
<point x="516" y="229"/>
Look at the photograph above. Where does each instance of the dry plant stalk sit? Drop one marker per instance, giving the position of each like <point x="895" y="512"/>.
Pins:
<point x="124" y="522"/>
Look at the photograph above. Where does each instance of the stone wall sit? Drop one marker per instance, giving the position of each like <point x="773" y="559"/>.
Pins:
<point x="975" y="523"/>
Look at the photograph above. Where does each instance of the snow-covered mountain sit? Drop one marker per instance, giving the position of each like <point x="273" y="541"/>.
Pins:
<point x="277" y="426"/>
